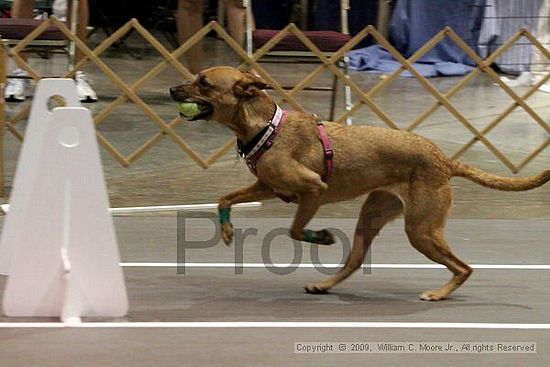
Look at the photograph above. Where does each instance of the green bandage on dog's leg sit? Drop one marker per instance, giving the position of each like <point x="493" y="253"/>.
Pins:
<point x="309" y="236"/>
<point x="224" y="214"/>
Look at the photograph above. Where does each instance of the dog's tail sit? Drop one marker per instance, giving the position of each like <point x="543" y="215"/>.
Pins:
<point x="498" y="182"/>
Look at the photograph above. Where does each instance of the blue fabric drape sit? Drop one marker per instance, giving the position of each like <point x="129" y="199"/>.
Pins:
<point x="413" y="23"/>
<point x="503" y="19"/>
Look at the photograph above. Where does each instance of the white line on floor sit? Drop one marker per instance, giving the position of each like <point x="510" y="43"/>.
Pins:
<point x="164" y="208"/>
<point x="374" y="266"/>
<point x="260" y="324"/>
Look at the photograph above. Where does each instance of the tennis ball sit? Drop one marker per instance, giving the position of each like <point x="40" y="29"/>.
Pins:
<point x="189" y="109"/>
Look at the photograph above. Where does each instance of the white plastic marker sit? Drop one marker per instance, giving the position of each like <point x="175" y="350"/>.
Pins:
<point x="27" y="165"/>
<point x="58" y="243"/>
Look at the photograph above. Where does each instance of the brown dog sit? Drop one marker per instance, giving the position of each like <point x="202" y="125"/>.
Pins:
<point x="403" y="173"/>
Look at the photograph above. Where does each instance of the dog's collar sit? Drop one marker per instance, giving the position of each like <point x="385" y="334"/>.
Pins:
<point x="254" y="149"/>
<point x="263" y="138"/>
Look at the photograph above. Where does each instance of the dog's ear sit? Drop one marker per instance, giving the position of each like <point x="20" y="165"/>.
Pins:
<point x="249" y="85"/>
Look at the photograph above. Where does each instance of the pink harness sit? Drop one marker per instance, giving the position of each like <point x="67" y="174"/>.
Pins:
<point x="269" y="134"/>
<point x="327" y="149"/>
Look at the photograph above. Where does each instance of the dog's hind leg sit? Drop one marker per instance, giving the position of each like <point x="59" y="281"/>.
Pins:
<point x="426" y="211"/>
<point x="379" y="209"/>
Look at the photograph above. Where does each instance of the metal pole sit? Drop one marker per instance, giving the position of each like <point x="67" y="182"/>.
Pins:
<point x="74" y="26"/>
<point x="247" y="4"/>
<point x="344" y="8"/>
<point x="3" y="80"/>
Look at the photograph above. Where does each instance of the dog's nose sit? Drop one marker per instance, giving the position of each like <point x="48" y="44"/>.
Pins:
<point x="173" y="91"/>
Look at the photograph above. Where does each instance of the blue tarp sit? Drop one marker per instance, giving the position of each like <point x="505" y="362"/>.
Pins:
<point x="413" y="23"/>
<point x="376" y="58"/>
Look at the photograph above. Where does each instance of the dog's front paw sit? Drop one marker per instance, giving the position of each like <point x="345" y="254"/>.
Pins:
<point x="227" y="233"/>
<point x="315" y="288"/>
<point x="325" y="237"/>
<point x="322" y="237"/>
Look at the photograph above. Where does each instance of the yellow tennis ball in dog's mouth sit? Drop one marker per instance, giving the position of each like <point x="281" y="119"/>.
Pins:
<point x="189" y="109"/>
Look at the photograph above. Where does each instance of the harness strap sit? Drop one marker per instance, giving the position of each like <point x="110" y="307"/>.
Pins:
<point x="329" y="157"/>
<point x="267" y="138"/>
<point x="327" y="149"/>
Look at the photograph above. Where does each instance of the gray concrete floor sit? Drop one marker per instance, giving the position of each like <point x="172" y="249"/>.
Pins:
<point x="487" y="227"/>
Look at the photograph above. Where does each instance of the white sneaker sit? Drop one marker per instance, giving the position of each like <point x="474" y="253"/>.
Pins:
<point x="524" y="79"/>
<point x="84" y="91"/>
<point x="18" y="87"/>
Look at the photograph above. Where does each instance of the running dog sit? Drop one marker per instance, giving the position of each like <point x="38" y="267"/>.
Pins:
<point x="308" y="162"/>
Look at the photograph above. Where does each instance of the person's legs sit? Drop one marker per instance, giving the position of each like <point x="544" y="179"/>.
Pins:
<point x="22" y="8"/>
<point x="189" y="20"/>
<point x="81" y="24"/>
<point x="236" y="19"/>
<point x="18" y="86"/>
<point x="84" y="90"/>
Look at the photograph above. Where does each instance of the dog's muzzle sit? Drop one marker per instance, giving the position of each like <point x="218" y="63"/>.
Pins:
<point x="205" y="110"/>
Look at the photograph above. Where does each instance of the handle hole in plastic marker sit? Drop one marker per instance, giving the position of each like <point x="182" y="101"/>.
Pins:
<point x="56" y="101"/>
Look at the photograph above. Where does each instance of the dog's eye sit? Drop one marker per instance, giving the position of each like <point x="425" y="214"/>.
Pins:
<point x="203" y="83"/>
